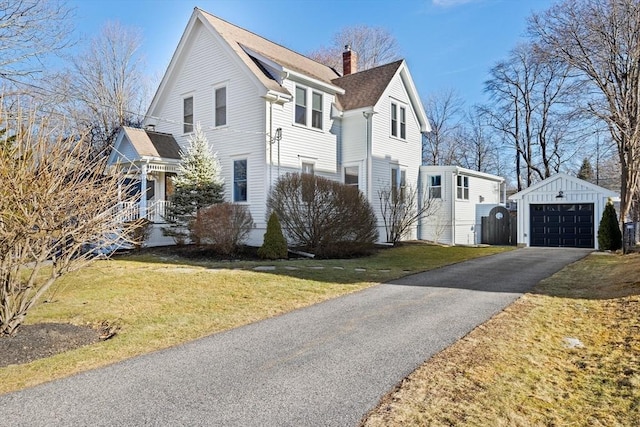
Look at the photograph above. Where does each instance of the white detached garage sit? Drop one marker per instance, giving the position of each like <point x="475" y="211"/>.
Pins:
<point x="561" y="211"/>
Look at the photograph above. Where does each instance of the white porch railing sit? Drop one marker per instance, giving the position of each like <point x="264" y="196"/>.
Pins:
<point x="155" y="212"/>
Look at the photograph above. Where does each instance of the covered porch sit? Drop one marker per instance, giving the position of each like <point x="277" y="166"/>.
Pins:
<point x="148" y="161"/>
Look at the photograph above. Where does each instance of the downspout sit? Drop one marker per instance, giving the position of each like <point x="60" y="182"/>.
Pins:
<point x="368" y="140"/>
<point x="270" y="142"/>
<point x="454" y="187"/>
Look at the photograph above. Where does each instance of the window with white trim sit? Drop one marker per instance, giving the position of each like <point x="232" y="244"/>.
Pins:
<point x="240" y="180"/>
<point x="220" y="106"/>
<point x="187" y="114"/>
<point x="309" y="113"/>
<point x="435" y="187"/>
<point x="351" y="176"/>
<point x="308" y="168"/>
<point x="394" y="119"/>
<point x="398" y="121"/>
<point x="301" y="106"/>
<point x="462" y="186"/>
<point x="398" y="183"/>
<point x="316" y="110"/>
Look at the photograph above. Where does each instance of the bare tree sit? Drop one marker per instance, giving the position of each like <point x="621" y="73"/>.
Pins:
<point x="58" y="211"/>
<point x="373" y="45"/>
<point x="402" y="208"/>
<point x="29" y="31"/>
<point x="601" y="40"/>
<point x="107" y="84"/>
<point x="476" y="145"/>
<point x="444" y="110"/>
<point x="530" y="95"/>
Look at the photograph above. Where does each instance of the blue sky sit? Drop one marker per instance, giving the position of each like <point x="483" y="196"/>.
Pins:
<point x="448" y="44"/>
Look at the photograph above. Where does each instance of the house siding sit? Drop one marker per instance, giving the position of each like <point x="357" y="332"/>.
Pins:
<point x="389" y="151"/>
<point x="205" y="64"/>
<point x="206" y="59"/>
<point x="458" y="221"/>
<point x="303" y="143"/>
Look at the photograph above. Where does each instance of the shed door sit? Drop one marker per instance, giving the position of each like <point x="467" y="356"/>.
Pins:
<point x="568" y="225"/>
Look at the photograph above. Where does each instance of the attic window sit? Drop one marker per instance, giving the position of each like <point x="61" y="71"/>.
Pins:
<point x="394" y="119"/>
<point x="187" y="116"/>
<point x="220" y="105"/>
<point x="398" y="121"/>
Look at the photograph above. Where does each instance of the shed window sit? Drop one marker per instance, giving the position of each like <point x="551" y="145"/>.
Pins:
<point x="462" y="187"/>
<point x="435" y="187"/>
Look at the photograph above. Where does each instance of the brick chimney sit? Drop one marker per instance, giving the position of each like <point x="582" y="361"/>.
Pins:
<point x="349" y="61"/>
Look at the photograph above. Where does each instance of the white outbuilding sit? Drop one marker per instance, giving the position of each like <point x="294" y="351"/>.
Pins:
<point x="561" y="211"/>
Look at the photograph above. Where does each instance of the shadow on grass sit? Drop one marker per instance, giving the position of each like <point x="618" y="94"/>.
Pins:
<point x="383" y="265"/>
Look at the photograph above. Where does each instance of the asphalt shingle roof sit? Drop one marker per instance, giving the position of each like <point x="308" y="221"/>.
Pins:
<point x="363" y="89"/>
<point x="239" y="39"/>
<point x="153" y="144"/>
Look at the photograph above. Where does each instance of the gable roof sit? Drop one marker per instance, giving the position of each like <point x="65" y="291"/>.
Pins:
<point x="252" y="52"/>
<point x="364" y="89"/>
<point x="269" y="63"/>
<point x="133" y="144"/>
<point x="575" y="181"/>
<point x="153" y="144"/>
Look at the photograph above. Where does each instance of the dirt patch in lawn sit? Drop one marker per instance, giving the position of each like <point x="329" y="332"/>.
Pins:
<point x="41" y="340"/>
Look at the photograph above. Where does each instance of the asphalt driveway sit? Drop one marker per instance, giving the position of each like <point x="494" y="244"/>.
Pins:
<point x="325" y="365"/>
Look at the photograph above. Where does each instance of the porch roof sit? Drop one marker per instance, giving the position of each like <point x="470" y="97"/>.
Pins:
<point x="135" y="147"/>
<point x="153" y="144"/>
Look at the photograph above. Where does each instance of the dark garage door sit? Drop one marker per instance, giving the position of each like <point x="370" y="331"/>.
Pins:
<point x="569" y="225"/>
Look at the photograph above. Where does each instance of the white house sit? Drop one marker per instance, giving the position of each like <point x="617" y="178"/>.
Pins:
<point x="460" y="198"/>
<point x="267" y="110"/>
<point x="561" y="211"/>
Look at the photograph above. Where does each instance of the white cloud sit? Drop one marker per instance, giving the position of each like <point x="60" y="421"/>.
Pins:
<point x="451" y="3"/>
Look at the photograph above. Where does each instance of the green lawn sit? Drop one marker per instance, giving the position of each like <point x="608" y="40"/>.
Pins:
<point x="161" y="301"/>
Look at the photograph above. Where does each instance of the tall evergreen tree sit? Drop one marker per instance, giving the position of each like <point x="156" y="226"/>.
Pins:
<point x="586" y="171"/>
<point x="197" y="185"/>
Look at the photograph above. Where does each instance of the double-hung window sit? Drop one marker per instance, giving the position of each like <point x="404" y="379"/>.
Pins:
<point x="220" y="106"/>
<point x="316" y="110"/>
<point x="308" y="113"/>
<point x="462" y="187"/>
<point x="394" y="119"/>
<point x="187" y="115"/>
<point x="435" y="187"/>
<point x="398" y="121"/>
<point x="301" y="106"/>
<point x="240" y="180"/>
